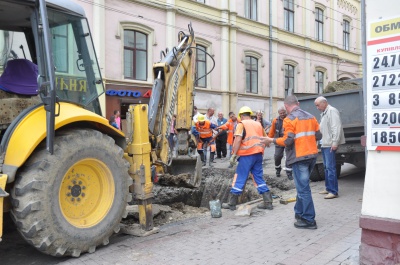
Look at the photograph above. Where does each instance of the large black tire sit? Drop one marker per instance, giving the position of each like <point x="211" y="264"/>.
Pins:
<point x="72" y="201"/>
<point x="318" y="172"/>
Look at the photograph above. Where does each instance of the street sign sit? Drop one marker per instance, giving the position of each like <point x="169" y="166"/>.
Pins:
<point x="383" y="85"/>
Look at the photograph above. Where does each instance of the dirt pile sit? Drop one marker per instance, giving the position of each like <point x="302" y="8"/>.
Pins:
<point x="343" y="85"/>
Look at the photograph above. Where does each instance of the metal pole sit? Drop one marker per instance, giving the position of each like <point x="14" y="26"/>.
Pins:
<point x="364" y="63"/>
<point x="270" y="60"/>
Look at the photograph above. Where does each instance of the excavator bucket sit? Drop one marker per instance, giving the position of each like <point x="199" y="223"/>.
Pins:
<point x="184" y="171"/>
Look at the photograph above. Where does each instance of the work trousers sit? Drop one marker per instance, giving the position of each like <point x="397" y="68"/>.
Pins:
<point x="221" y="145"/>
<point x="304" y="206"/>
<point x="331" y="182"/>
<point x="278" y="158"/>
<point x="249" y="164"/>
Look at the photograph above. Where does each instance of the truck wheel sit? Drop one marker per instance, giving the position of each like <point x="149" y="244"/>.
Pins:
<point x="72" y="201"/>
<point x="318" y="172"/>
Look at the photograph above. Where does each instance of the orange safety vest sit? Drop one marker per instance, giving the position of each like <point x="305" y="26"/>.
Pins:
<point x="301" y="133"/>
<point x="230" y="126"/>
<point x="251" y="143"/>
<point x="205" y="130"/>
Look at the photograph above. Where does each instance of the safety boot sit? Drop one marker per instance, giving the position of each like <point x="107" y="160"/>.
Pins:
<point x="267" y="203"/>
<point x="278" y="171"/>
<point x="210" y="163"/>
<point x="289" y="175"/>
<point x="203" y="159"/>
<point x="231" y="205"/>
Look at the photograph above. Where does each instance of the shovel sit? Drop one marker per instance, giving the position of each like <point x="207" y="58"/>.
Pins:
<point x="246" y="208"/>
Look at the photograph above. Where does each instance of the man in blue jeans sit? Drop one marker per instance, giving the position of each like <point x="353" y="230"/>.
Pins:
<point x="332" y="137"/>
<point x="301" y="133"/>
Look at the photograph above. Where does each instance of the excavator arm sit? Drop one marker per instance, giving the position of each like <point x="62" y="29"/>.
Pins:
<point x="148" y="151"/>
<point x="173" y="92"/>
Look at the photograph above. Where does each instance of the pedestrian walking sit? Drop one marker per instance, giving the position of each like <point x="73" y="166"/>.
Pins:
<point x="112" y="122"/>
<point x="332" y="137"/>
<point x="247" y="145"/>
<point x="117" y="115"/>
<point x="301" y="131"/>
<point x="203" y="131"/>
<point x="222" y="137"/>
<point x="276" y="131"/>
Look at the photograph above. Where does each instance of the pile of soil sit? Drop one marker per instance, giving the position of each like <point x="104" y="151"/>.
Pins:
<point x="342" y="86"/>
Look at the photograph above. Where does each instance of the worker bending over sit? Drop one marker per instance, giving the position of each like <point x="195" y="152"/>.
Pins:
<point x="203" y="131"/>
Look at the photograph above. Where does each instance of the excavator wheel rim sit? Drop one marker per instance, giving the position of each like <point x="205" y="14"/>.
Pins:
<point x="86" y="193"/>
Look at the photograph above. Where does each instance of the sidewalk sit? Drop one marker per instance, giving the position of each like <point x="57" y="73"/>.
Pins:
<point x="266" y="237"/>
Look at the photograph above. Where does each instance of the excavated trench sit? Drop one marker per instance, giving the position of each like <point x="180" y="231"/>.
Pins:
<point x="216" y="184"/>
<point x="173" y="203"/>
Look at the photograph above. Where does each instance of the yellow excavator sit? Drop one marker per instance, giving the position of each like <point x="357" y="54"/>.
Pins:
<point x="66" y="175"/>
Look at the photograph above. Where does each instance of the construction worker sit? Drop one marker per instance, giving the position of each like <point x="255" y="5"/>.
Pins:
<point x="248" y="146"/>
<point x="276" y="131"/>
<point x="301" y="133"/>
<point x="230" y="126"/>
<point x="203" y="131"/>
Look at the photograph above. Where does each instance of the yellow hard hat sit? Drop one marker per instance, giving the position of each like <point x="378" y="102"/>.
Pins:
<point x="245" y="109"/>
<point x="201" y="117"/>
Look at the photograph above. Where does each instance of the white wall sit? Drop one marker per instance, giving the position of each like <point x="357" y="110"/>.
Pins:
<point x="382" y="179"/>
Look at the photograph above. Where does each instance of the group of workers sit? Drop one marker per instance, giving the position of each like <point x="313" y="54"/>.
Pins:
<point x="205" y="126"/>
<point x="294" y="131"/>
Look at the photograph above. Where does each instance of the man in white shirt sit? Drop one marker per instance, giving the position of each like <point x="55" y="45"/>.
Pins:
<point x="195" y="114"/>
<point x="210" y="116"/>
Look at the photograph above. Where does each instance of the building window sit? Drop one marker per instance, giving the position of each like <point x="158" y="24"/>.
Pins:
<point x="289" y="15"/>
<point x="201" y="1"/>
<point x="289" y="79"/>
<point x="250" y="9"/>
<point x="251" y="75"/>
<point x="60" y="48"/>
<point x="201" y="66"/>
<point x="346" y="35"/>
<point x="319" y="82"/>
<point x="319" y="24"/>
<point x="135" y="55"/>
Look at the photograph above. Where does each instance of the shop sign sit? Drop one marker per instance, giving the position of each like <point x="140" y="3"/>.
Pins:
<point x="128" y="93"/>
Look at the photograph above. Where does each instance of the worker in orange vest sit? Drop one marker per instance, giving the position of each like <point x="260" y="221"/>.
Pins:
<point x="230" y="127"/>
<point x="248" y="146"/>
<point x="203" y="131"/>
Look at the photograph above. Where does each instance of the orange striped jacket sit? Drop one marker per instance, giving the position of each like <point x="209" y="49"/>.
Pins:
<point x="301" y="133"/>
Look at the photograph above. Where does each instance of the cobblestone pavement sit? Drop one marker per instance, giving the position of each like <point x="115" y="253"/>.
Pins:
<point x="266" y="237"/>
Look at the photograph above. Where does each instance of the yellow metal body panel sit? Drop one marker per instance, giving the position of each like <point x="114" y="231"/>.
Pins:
<point x="87" y="193"/>
<point x="3" y="181"/>
<point x="32" y="130"/>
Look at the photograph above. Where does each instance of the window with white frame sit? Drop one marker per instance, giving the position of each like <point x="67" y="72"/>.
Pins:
<point x="319" y="82"/>
<point x="251" y="74"/>
<point x="250" y="9"/>
<point x="288" y="8"/>
<point x="289" y="79"/>
<point x="201" y="66"/>
<point x="346" y="35"/>
<point x="319" y="24"/>
<point x="135" y="55"/>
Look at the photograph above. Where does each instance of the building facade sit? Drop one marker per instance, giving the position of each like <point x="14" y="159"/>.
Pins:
<point x="262" y="50"/>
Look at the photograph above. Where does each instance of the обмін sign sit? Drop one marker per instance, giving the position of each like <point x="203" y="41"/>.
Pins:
<point x="383" y="85"/>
